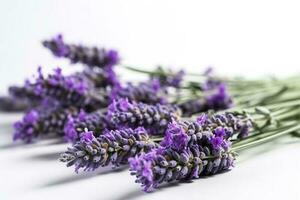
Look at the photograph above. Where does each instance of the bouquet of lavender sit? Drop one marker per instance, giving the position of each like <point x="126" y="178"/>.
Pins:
<point x="172" y="126"/>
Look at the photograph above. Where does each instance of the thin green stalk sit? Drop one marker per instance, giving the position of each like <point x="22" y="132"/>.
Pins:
<point x="266" y="138"/>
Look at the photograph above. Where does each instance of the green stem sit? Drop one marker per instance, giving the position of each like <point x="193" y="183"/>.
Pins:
<point x="266" y="138"/>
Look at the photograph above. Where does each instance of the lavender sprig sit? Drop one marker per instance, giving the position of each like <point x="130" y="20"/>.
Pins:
<point x="101" y="78"/>
<point x="191" y="149"/>
<point x="168" y="165"/>
<point x="96" y="122"/>
<point x="114" y="147"/>
<point x="216" y="100"/>
<point x="40" y="122"/>
<point x="25" y="93"/>
<point x="216" y="129"/>
<point x="68" y="90"/>
<point x="154" y="118"/>
<point x="90" y="56"/>
<point x="149" y="92"/>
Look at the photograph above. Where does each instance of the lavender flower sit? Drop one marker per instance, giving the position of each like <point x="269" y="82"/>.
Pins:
<point x="114" y="147"/>
<point x="100" y="78"/>
<point x="68" y="90"/>
<point x="207" y="129"/>
<point x="26" y="94"/>
<point x="167" y="165"/>
<point x="218" y="100"/>
<point x="145" y="92"/>
<point x="154" y="118"/>
<point x="96" y="122"/>
<point x="191" y="149"/>
<point x="40" y="121"/>
<point x="181" y="134"/>
<point x="90" y="56"/>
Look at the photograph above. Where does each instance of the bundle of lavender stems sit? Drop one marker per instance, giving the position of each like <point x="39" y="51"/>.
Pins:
<point x="172" y="126"/>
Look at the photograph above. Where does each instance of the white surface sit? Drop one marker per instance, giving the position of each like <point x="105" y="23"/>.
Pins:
<point x="253" y="38"/>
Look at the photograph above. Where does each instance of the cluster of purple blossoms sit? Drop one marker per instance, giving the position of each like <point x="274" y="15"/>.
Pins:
<point x="25" y="94"/>
<point x="71" y="90"/>
<point x="101" y="78"/>
<point x="149" y="92"/>
<point x="96" y="122"/>
<point x="113" y="124"/>
<point x="111" y="148"/>
<point x="154" y="118"/>
<point x="90" y="56"/>
<point x="217" y="99"/>
<point x="191" y="149"/>
<point x="40" y="122"/>
<point x="167" y="165"/>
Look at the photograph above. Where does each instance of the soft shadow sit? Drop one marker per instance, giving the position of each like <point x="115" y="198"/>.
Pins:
<point x="131" y="195"/>
<point x="54" y="142"/>
<point x="41" y="142"/>
<point x="46" y="156"/>
<point x="82" y="176"/>
<point x="134" y="194"/>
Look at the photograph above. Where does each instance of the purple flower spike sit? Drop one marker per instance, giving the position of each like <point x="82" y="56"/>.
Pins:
<point x="213" y="131"/>
<point x="217" y="99"/>
<point x="101" y="78"/>
<point x="41" y="122"/>
<point x="220" y="100"/>
<point x="145" y="92"/>
<point x="154" y="118"/>
<point x="169" y="165"/>
<point x="95" y="121"/>
<point x="70" y="90"/>
<point x="57" y="46"/>
<point x="26" y="94"/>
<point x="113" y="147"/>
<point x="90" y="56"/>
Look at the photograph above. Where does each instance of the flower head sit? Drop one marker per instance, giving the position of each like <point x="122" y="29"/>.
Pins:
<point x="90" y="56"/>
<point x="42" y="121"/>
<point x="112" y="147"/>
<point x="73" y="90"/>
<point x="57" y="46"/>
<point x="216" y="99"/>
<point x="169" y="165"/>
<point x="145" y="92"/>
<point x="154" y="118"/>
<point x="77" y="125"/>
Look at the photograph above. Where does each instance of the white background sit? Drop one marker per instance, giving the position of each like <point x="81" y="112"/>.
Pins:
<point x="251" y="38"/>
